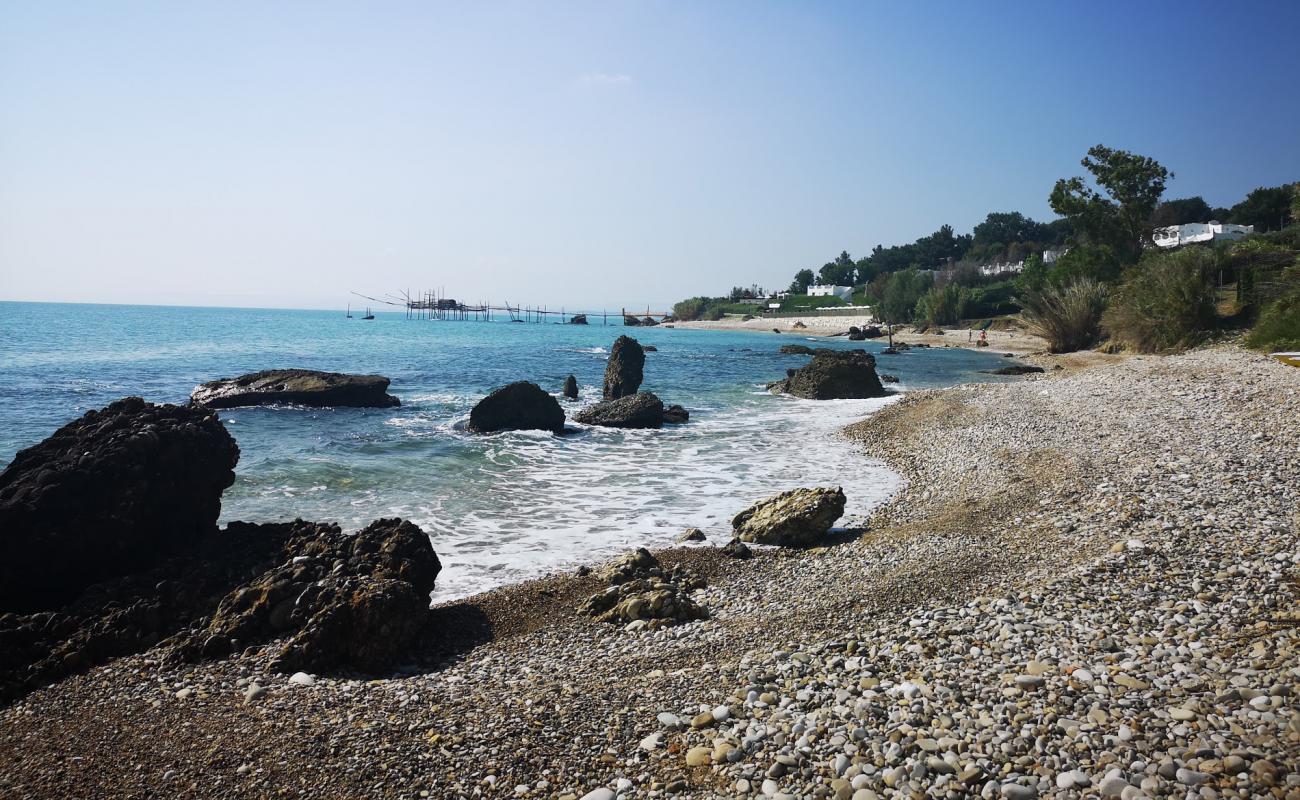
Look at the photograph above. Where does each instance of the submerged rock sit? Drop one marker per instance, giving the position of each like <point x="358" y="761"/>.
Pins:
<point x="797" y="518"/>
<point x="295" y="386"/>
<point x="516" y="407"/>
<point x="834" y="375"/>
<point x="796" y="350"/>
<point x="625" y="368"/>
<point x="112" y="493"/>
<point x="571" y="388"/>
<point x="676" y="415"/>
<point x="641" y="410"/>
<point x="578" y="319"/>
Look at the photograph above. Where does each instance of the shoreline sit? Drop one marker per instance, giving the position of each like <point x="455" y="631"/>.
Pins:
<point x="1016" y="342"/>
<point x="1011" y="488"/>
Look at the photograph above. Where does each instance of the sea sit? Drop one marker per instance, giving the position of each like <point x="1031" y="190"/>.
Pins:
<point x="499" y="508"/>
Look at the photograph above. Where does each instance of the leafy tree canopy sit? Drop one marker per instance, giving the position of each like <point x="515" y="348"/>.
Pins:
<point x="1265" y="208"/>
<point x="1117" y="211"/>
<point x="1181" y="212"/>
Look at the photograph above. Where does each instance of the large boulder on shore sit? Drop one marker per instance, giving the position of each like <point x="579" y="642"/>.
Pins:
<point x="518" y="406"/>
<point x="834" y="375"/>
<point x="343" y="601"/>
<point x="641" y="410"/>
<point x="305" y="387"/>
<point x="111" y="493"/>
<point x="797" y="518"/>
<point x="624" y="370"/>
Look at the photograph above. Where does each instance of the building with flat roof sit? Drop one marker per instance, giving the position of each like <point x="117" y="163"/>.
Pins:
<point x="845" y="293"/>
<point x="1191" y="232"/>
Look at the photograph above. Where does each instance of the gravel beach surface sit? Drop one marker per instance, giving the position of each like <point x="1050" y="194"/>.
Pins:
<point x="1086" y="588"/>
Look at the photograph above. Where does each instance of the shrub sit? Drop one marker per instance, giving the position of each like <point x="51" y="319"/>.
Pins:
<point x="1166" y="303"/>
<point x="1278" y="327"/>
<point x="1068" y="317"/>
<point x="943" y="305"/>
<point x="691" y="309"/>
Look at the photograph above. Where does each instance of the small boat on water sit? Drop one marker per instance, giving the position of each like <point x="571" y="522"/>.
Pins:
<point x="1290" y="359"/>
<point x="368" y="315"/>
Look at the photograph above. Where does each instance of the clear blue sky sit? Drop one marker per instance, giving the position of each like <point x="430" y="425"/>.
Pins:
<point x="610" y="153"/>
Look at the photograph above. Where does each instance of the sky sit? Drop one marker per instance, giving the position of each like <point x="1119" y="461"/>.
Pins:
<point x="591" y="155"/>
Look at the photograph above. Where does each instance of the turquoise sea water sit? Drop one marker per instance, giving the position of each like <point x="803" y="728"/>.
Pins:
<point x="499" y="508"/>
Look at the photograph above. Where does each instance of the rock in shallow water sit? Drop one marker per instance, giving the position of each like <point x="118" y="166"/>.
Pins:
<point x="641" y="410"/>
<point x="834" y="375"/>
<point x="295" y="386"/>
<point x="624" y="369"/>
<point x="517" y="406"/>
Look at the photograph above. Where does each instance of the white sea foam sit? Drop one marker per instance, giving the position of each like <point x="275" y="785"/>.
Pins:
<point x="542" y="503"/>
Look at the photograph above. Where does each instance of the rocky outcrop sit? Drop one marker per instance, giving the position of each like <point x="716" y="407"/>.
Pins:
<point x="570" y="390"/>
<point x="797" y="518"/>
<point x="643" y="594"/>
<point x="625" y="368"/>
<point x="691" y="535"/>
<point x="676" y="415"/>
<point x="648" y="322"/>
<point x="631" y="321"/>
<point x="834" y="375"/>
<point x="796" y="350"/>
<point x="857" y="334"/>
<point x="517" y="406"/>
<point x="578" y="319"/>
<point x="641" y="410"/>
<point x="304" y="387"/>
<point x="799" y="324"/>
<point x="649" y="348"/>
<point x="114" y="492"/>
<point x="1014" y="369"/>
<point x="355" y="601"/>
<point x="737" y="549"/>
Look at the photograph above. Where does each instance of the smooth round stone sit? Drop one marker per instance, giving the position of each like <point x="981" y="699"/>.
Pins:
<point x="770" y="787"/>
<point x="254" y="693"/>
<point x="302" y="679"/>
<point x="668" y="720"/>
<point x="1112" y="786"/>
<point x="603" y="793"/>
<point x="1190" y="777"/>
<point x="1072" y="778"/>
<point x="698" y="756"/>
<point x="1018" y="791"/>
<point x="721" y="713"/>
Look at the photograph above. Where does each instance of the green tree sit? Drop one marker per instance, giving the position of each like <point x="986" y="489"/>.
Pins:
<point x="1034" y="275"/>
<point x="1265" y="208"/>
<point x="901" y="292"/>
<point x="802" y="280"/>
<point x="1181" y="212"/>
<point x="838" y="272"/>
<point x="1117" y="212"/>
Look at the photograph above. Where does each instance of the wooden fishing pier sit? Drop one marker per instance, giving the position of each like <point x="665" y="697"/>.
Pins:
<point x="431" y="305"/>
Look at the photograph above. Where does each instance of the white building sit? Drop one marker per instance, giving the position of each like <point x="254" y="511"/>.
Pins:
<point x="845" y="293"/>
<point x="1001" y="269"/>
<point x="1211" y="231"/>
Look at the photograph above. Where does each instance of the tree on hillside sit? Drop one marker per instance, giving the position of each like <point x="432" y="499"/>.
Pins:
<point x="1265" y="208"/>
<point x="802" y="280"/>
<point x="1119" y="213"/>
<point x="1181" y="212"/>
<point x="838" y="272"/>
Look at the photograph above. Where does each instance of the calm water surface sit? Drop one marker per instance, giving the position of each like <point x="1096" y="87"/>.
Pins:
<point x="499" y="508"/>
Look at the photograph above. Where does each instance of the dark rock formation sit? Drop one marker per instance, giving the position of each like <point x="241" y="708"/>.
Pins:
<point x="649" y="348"/>
<point x="578" y="319"/>
<point x="295" y="386"/>
<point x="799" y="324"/>
<point x="676" y="415"/>
<point x="860" y="334"/>
<point x="631" y="321"/>
<point x="648" y="322"/>
<point x="796" y="350"/>
<point x="111" y="493"/>
<point x="691" y="535"/>
<point x="641" y="410"/>
<point x="342" y="600"/>
<point x="624" y="370"/>
<point x="797" y="518"/>
<point x="641" y="590"/>
<point x="737" y="549"/>
<point x="571" y="388"/>
<point x="888" y="378"/>
<point x="517" y="406"/>
<point x="834" y="375"/>
<point x="1014" y="369"/>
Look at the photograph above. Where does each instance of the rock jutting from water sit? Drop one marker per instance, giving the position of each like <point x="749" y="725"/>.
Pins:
<point x="578" y="319"/>
<point x="517" y="406"/>
<point x="625" y="368"/>
<point x="797" y="518"/>
<point x="1014" y="369"/>
<point x="834" y="375"/>
<point x="570" y="388"/>
<point x="295" y="387"/>
<point x="115" y="491"/>
<point x="641" y="410"/>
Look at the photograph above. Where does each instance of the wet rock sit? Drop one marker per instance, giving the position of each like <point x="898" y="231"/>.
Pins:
<point x="631" y="321"/>
<point x="796" y="518"/>
<point x="624" y="370"/>
<point x="1014" y="369"/>
<point x="571" y="388"/>
<point x="676" y="415"/>
<point x="888" y="378"/>
<point x="578" y="319"/>
<point x="796" y="350"/>
<point x="305" y="387"/>
<point x="691" y="535"/>
<point x="517" y="406"/>
<point x="641" y="410"/>
<point x="113" y="493"/>
<point x="834" y="375"/>
<point x="649" y="348"/>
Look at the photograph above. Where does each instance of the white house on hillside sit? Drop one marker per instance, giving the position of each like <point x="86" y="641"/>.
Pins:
<point x="1211" y="231"/>
<point x="845" y="293"/>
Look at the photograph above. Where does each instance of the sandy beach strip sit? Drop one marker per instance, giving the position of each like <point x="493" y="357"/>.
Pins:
<point x="1086" y="586"/>
<point x="1017" y="342"/>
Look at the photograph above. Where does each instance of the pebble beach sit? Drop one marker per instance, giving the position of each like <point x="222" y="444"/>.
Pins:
<point x="1086" y="587"/>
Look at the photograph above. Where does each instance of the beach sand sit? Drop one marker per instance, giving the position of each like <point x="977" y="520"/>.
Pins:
<point x="1087" y="584"/>
<point x="1016" y="340"/>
